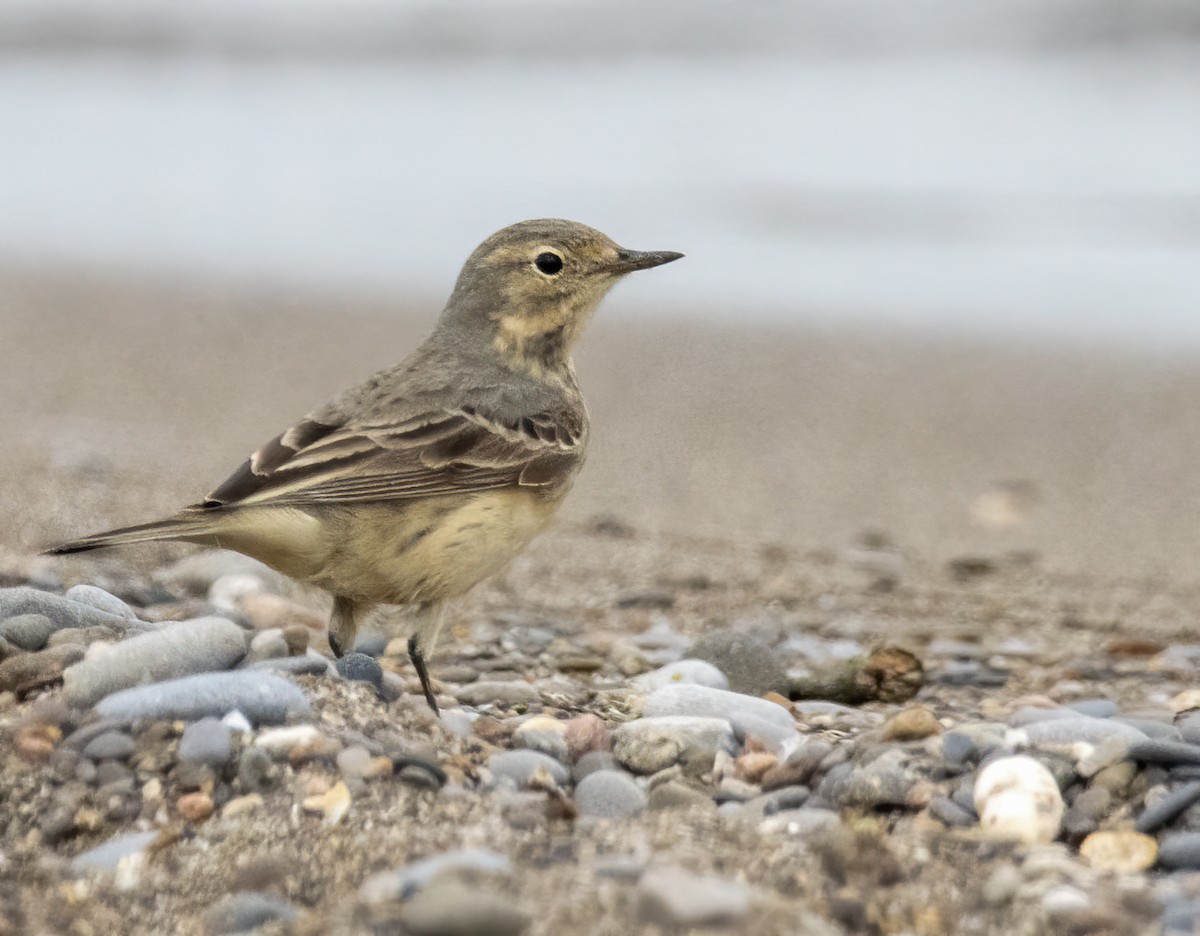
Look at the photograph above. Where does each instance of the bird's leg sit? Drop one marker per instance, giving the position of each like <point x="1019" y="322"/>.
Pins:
<point x="422" y="639"/>
<point x="343" y="628"/>
<point x="418" y="661"/>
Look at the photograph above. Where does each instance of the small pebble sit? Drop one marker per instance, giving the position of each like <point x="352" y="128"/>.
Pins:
<point x="361" y="668"/>
<point x="1180" y="850"/>
<point x="208" y="741"/>
<point x="1169" y="807"/>
<point x="912" y="724"/>
<point x="497" y="693"/>
<point x="545" y="734"/>
<point x="1017" y="798"/>
<point x="1119" y="850"/>
<point x="333" y="804"/>
<point x="585" y="734"/>
<point x="195" y="807"/>
<point x="111" y="745"/>
<point x="694" y="672"/>
<point x="609" y="794"/>
<point x="525" y="767"/>
<point x="649" y="745"/>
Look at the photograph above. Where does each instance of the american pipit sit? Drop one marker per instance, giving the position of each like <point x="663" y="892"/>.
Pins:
<point x="430" y="476"/>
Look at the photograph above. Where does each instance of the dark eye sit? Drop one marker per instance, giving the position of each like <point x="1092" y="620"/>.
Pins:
<point x="548" y="263"/>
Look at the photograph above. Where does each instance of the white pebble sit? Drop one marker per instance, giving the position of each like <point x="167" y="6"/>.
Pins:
<point x="1018" y="800"/>
<point x="281" y="740"/>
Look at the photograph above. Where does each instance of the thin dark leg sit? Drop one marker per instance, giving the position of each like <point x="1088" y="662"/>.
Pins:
<point x="418" y="662"/>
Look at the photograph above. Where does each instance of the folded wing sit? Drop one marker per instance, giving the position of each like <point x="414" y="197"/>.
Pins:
<point x="441" y="452"/>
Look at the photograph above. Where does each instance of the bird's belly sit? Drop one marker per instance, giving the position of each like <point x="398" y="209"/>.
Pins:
<point x="427" y="552"/>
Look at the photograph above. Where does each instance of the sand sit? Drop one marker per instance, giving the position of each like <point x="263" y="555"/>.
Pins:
<point x="127" y="400"/>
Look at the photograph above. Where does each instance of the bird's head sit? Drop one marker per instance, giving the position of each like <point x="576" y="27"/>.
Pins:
<point x="534" y="286"/>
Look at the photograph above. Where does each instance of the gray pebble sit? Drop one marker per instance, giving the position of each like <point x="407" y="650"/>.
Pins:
<point x="246" y="911"/>
<point x="111" y="745"/>
<point x="609" y="794"/>
<point x="1189" y="728"/>
<point x="101" y="600"/>
<point x="1095" y="708"/>
<point x="788" y="797"/>
<point x="1084" y="815"/>
<point x="311" y="664"/>
<point x="180" y="649"/>
<point x="804" y="822"/>
<point x="591" y="762"/>
<point x="692" y="672"/>
<point x="886" y="781"/>
<point x="949" y="812"/>
<point x="359" y="667"/>
<point x="1180" y="917"/>
<point x="1180" y="850"/>
<point x="1032" y="714"/>
<point x="748" y="661"/>
<point x="257" y="772"/>
<point x="208" y="741"/>
<point x="703" y="702"/>
<point x="649" y="745"/>
<point x="1062" y="734"/>
<point x="403" y="883"/>
<point x="63" y="613"/>
<point x="1155" y="730"/>
<point x="27" y="631"/>
<point x="969" y="673"/>
<point x="521" y="766"/>
<point x="263" y="698"/>
<point x="1171" y="753"/>
<point x="104" y="857"/>
<point x="497" y="693"/>
<point x="959" y="750"/>
<point x="1169" y="807"/>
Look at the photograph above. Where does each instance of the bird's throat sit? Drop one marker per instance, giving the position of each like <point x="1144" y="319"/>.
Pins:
<point x="537" y="345"/>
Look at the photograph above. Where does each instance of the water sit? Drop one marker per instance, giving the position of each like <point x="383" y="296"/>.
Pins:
<point x="1054" y="193"/>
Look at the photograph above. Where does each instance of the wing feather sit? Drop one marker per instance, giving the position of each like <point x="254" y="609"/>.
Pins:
<point x="440" y="452"/>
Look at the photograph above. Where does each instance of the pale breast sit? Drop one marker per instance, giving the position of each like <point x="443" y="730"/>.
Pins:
<point x="435" y="549"/>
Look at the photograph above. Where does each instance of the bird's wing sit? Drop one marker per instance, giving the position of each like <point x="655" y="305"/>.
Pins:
<point x="439" y="452"/>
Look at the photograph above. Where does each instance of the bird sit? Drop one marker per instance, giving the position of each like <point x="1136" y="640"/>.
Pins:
<point x="428" y="477"/>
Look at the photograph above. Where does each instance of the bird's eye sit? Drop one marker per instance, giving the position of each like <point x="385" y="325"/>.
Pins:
<point x="548" y="263"/>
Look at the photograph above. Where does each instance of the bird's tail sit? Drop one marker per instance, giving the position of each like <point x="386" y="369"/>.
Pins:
<point x="182" y="527"/>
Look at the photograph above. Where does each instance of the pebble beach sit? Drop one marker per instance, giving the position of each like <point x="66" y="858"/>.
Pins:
<point x="807" y="703"/>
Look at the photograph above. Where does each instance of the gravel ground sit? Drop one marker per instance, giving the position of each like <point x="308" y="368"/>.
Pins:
<point x="588" y="774"/>
<point x="840" y="635"/>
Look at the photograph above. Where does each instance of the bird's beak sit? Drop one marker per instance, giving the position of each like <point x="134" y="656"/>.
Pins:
<point x="630" y="260"/>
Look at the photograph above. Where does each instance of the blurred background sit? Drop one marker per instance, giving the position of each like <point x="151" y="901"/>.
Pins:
<point x="941" y="284"/>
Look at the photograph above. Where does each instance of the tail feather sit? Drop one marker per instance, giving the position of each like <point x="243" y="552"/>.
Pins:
<point x="173" y="528"/>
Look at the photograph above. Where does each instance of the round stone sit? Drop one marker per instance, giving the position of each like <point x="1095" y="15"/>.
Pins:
<point x="1017" y="798"/>
<point x="1119" y="850"/>
<point x="208" y="741"/>
<point x="361" y="668"/>
<point x="609" y="794"/>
